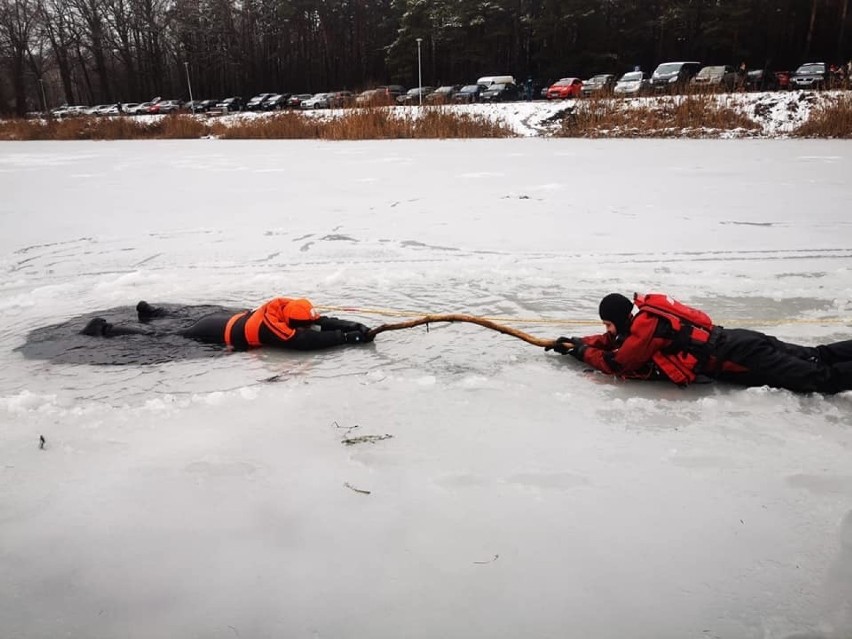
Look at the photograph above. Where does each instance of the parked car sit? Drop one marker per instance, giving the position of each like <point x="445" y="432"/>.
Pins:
<point x="200" y="106"/>
<point x="228" y="105"/>
<point x="673" y="77"/>
<point x="811" y="75"/>
<point x="634" y="83"/>
<point x="140" y="109"/>
<point x="341" y="99"/>
<point x="164" y="107"/>
<point x="488" y="80"/>
<point x="275" y="102"/>
<point x="442" y="95"/>
<point x="412" y="96"/>
<point x="715" y="78"/>
<point x="67" y="111"/>
<point x="193" y="106"/>
<point x="468" y="94"/>
<point x="565" y="88"/>
<point x="256" y="103"/>
<point x="601" y="84"/>
<point x="316" y="101"/>
<point x="500" y="93"/>
<point x="763" y="80"/>
<point x="295" y="100"/>
<point x="112" y="109"/>
<point x="393" y="91"/>
<point x="98" y="109"/>
<point x="372" y="97"/>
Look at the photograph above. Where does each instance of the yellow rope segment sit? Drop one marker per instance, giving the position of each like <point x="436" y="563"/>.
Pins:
<point x="387" y="312"/>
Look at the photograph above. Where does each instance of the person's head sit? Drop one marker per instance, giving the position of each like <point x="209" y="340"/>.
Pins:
<point x="300" y="312"/>
<point x="615" y="310"/>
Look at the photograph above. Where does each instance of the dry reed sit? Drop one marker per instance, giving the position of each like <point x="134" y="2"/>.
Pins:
<point x="367" y="124"/>
<point x="696" y="116"/>
<point x="355" y="124"/>
<point x="91" y="128"/>
<point x="832" y="119"/>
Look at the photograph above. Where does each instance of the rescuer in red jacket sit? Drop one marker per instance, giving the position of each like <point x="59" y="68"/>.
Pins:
<point x="669" y="340"/>
<point x="281" y="322"/>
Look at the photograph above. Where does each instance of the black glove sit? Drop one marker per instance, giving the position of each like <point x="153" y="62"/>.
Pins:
<point x="561" y="345"/>
<point x="579" y="349"/>
<point x="355" y="337"/>
<point x="361" y="328"/>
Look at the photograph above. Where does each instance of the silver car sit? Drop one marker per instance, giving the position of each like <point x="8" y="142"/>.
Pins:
<point x="632" y="84"/>
<point x="318" y="101"/>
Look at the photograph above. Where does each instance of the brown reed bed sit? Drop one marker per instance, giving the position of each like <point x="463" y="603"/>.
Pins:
<point x="366" y="124"/>
<point x="357" y="124"/>
<point x="699" y="115"/>
<point x="832" y="119"/>
<point x="91" y="128"/>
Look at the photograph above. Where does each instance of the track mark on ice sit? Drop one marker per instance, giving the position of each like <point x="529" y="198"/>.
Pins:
<point x="736" y="223"/>
<point x="148" y="259"/>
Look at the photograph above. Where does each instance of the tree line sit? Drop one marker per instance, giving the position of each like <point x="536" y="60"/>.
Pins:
<point x="104" y="51"/>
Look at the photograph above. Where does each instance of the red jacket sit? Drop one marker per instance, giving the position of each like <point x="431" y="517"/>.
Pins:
<point x="634" y="356"/>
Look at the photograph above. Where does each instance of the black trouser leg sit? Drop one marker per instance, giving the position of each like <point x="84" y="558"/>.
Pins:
<point x="841" y="374"/>
<point x="771" y="362"/>
<point x="836" y="353"/>
<point x="145" y="312"/>
<point x="210" y="329"/>
<point x="99" y="327"/>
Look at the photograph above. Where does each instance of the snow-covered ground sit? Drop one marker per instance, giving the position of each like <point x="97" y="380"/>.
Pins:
<point x="517" y="496"/>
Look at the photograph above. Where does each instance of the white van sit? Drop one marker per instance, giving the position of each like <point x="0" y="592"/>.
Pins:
<point x="488" y="80"/>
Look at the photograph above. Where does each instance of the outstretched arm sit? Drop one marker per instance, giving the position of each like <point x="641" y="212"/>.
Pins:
<point x="635" y="352"/>
<point x="334" y="324"/>
<point x="307" y="339"/>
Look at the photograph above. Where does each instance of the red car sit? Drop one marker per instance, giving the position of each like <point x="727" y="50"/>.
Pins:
<point x="565" y="88"/>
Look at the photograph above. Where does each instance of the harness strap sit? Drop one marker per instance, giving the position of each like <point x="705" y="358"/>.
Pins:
<point x="229" y="328"/>
<point x="253" y="327"/>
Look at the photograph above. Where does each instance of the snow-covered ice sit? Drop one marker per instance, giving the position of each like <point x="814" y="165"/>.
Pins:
<point x="518" y="496"/>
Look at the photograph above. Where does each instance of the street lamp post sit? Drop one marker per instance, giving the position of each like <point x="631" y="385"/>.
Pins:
<point x="189" y="84"/>
<point x="419" y="73"/>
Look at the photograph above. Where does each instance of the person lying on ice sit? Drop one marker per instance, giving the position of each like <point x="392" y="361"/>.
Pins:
<point x="281" y="322"/>
<point x="669" y="340"/>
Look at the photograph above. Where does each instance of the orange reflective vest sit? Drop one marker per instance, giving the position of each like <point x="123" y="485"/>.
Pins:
<point x="243" y="329"/>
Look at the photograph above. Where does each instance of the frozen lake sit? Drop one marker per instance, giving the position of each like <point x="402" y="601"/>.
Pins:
<point x="518" y="495"/>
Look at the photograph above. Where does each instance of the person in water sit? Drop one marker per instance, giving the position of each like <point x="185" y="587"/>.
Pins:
<point x="665" y="339"/>
<point x="281" y="322"/>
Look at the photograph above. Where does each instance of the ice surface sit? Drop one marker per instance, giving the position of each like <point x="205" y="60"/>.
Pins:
<point x="518" y="496"/>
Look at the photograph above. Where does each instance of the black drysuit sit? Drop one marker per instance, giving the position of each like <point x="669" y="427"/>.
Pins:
<point x="211" y="324"/>
<point x="738" y="356"/>
<point x="766" y="360"/>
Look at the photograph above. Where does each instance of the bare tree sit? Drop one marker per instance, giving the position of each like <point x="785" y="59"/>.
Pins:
<point x="17" y="26"/>
<point x="64" y="38"/>
<point x="90" y="18"/>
